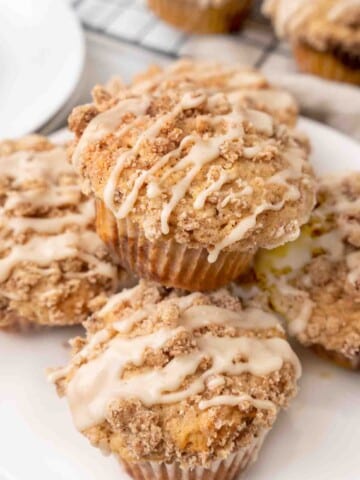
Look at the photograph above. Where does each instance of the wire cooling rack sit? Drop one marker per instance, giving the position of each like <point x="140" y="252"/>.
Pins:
<point x="130" y="21"/>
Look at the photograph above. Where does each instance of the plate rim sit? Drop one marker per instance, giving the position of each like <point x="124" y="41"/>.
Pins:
<point x="72" y="22"/>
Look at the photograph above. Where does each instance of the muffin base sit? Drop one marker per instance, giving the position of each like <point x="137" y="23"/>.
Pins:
<point x="166" y="261"/>
<point x="324" y="64"/>
<point x="337" y="358"/>
<point x="193" y="18"/>
<point x="228" y="469"/>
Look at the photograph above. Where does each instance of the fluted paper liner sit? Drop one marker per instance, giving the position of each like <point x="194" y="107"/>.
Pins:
<point x="227" y="469"/>
<point x="166" y="261"/>
<point x="324" y="64"/>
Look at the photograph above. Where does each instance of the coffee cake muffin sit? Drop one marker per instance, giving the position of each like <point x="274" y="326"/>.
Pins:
<point x="325" y="35"/>
<point x="241" y="83"/>
<point x="189" y="185"/>
<point x="315" y="281"/>
<point x="179" y="386"/>
<point x="202" y="16"/>
<point x="53" y="267"/>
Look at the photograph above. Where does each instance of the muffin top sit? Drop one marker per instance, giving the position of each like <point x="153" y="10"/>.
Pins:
<point x="315" y="281"/>
<point x="168" y="377"/>
<point x="50" y="257"/>
<point x="322" y="24"/>
<point x="244" y="83"/>
<point x="196" y="167"/>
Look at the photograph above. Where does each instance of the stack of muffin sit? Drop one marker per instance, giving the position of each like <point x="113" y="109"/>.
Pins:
<point x="193" y="169"/>
<point x="324" y="35"/>
<point x="199" y="180"/>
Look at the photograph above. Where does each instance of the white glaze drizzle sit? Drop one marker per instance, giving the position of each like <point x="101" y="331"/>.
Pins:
<point x="246" y="292"/>
<point x="353" y="264"/>
<point x="97" y="339"/>
<point x="58" y="196"/>
<point x="300" y="322"/>
<point x="342" y="7"/>
<point x="44" y="250"/>
<point x="52" y="225"/>
<point x="39" y="176"/>
<point x="234" y="400"/>
<point x="247" y="190"/>
<point x="296" y="255"/>
<point x="24" y="166"/>
<point x="292" y="193"/>
<point x="199" y="316"/>
<point x="116" y="299"/>
<point x="201" y="198"/>
<point x="99" y="381"/>
<point x="107" y="122"/>
<point x="215" y="382"/>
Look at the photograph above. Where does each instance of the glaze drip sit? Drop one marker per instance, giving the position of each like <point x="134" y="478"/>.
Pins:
<point x="99" y="381"/>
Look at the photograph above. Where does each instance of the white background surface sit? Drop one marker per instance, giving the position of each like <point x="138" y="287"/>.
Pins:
<point x="41" y="58"/>
<point x="317" y="438"/>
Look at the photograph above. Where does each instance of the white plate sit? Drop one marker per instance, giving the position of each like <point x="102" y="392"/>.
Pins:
<point x="318" y="437"/>
<point x="41" y="58"/>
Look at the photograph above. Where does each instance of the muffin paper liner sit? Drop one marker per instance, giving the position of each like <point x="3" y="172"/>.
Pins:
<point x="227" y="469"/>
<point x="166" y="261"/>
<point x="192" y="17"/>
<point x="324" y="64"/>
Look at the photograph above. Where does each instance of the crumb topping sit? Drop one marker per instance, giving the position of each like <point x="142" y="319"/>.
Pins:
<point x="323" y="24"/>
<point x="315" y="281"/>
<point x="244" y="83"/>
<point x="52" y="264"/>
<point x="190" y="377"/>
<point x="197" y="166"/>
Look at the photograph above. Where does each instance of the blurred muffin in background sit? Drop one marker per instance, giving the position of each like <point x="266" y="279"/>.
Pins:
<point x="324" y="34"/>
<point x="189" y="185"/>
<point x="202" y="16"/>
